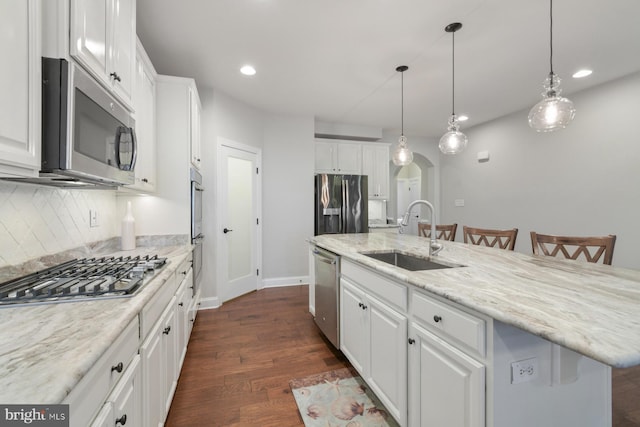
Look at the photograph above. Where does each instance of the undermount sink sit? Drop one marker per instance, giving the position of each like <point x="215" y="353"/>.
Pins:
<point x="407" y="261"/>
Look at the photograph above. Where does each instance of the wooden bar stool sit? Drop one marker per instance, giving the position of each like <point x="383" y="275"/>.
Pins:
<point x="593" y="248"/>
<point x="443" y="231"/>
<point x="504" y="239"/>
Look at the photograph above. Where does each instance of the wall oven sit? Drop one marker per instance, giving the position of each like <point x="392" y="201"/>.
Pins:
<point x="88" y="137"/>
<point x="196" y="226"/>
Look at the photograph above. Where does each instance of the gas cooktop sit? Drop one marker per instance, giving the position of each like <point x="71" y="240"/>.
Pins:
<point x="81" y="280"/>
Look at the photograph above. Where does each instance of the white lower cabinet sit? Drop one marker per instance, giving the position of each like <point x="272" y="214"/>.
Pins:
<point x="104" y="417"/>
<point x="164" y="344"/>
<point x="124" y="404"/>
<point x="435" y="363"/>
<point x="353" y="327"/>
<point x="127" y="398"/>
<point x="387" y="374"/>
<point x="374" y="339"/>
<point x="87" y="398"/>
<point x="159" y="367"/>
<point x="447" y="386"/>
<point x="183" y="316"/>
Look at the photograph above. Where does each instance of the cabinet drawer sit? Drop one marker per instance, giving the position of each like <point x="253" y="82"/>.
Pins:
<point x="389" y="291"/>
<point x="152" y="311"/>
<point x="88" y="396"/>
<point x="183" y="268"/>
<point x="449" y="322"/>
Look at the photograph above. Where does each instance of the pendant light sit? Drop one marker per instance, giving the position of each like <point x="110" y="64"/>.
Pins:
<point x="402" y="156"/>
<point x="554" y="111"/>
<point x="454" y="141"/>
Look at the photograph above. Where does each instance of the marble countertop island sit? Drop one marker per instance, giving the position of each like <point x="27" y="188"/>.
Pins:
<point x="46" y="349"/>
<point x="589" y="308"/>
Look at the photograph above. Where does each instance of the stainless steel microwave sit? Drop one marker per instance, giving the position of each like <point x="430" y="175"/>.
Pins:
<point x="88" y="137"/>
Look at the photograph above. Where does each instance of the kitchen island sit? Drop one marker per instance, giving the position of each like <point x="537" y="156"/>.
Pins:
<point x="531" y="315"/>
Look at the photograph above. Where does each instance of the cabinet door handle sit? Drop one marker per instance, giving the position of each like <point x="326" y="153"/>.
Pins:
<point x="118" y="368"/>
<point x="360" y="304"/>
<point x="437" y="318"/>
<point x="411" y="341"/>
<point x="167" y="330"/>
<point x="122" y="420"/>
<point x="181" y="304"/>
<point x="364" y="307"/>
<point x="117" y="78"/>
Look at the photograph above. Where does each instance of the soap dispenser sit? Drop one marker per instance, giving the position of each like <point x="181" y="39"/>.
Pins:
<point x="128" y="240"/>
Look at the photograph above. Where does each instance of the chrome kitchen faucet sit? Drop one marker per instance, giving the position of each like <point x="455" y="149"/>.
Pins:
<point x="434" y="246"/>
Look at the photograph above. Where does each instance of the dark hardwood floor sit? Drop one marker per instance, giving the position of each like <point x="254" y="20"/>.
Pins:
<point x="242" y="356"/>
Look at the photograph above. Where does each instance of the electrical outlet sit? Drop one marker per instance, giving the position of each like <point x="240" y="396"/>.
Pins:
<point x="524" y="370"/>
<point x="93" y="218"/>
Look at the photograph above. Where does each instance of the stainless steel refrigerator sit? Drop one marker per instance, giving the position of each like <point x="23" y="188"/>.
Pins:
<point x="341" y="204"/>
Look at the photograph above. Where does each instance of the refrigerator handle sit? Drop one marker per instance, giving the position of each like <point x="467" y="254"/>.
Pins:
<point x="343" y="209"/>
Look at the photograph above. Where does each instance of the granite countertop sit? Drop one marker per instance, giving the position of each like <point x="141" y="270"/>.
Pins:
<point x="589" y="308"/>
<point x="45" y="350"/>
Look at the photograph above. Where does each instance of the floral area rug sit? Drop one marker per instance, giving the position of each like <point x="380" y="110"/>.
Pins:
<point x="339" y="398"/>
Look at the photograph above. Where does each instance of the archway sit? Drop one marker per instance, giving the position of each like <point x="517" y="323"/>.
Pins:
<point x="422" y="168"/>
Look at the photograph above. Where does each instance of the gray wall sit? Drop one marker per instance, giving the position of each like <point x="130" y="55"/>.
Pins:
<point x="287" y="198"/>
<point x="582" y="180"/>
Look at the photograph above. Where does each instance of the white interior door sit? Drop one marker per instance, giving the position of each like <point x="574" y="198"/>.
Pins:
<point x="238" y="238"/>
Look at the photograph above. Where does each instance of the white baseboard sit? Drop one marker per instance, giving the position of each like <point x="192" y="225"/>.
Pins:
<point x="285" y="281"/>
<point x="209" y="303"/>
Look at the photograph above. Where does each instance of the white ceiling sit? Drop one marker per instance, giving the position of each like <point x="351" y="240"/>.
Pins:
<point x="336" y="59"/>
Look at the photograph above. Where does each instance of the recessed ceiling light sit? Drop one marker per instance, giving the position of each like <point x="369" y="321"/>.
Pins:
<point x="463" y="118"/>
<point x="581" y="73"/>
<point x="248" y="70"/>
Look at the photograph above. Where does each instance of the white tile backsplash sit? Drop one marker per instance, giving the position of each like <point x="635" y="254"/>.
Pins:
<point x="36" y="221"/>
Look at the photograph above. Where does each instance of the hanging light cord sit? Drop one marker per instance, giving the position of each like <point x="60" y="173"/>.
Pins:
<point x="551" y="36"/>
<point x="402" y="103"/>
<point x="453" y="73"/>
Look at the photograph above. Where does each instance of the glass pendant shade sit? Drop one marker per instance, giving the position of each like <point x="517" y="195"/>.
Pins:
<point x="402" y="156"/>
<point x="554" y="111"/>
<point x="454" y="141"/>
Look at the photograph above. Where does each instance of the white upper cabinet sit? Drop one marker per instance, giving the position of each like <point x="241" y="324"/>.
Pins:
<point x="338" y="157"/>
<point x="194" y="125"/>
<point x="20" y="87"/>
<point x="103" y="39"/>
<point x="144" y="102"/>
<point x="375" y="164"/>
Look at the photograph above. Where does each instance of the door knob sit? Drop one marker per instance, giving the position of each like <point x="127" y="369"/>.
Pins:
<point x="226" y="230"/>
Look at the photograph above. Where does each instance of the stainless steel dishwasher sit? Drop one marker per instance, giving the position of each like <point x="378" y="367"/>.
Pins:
<point x="327" y="294"/>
